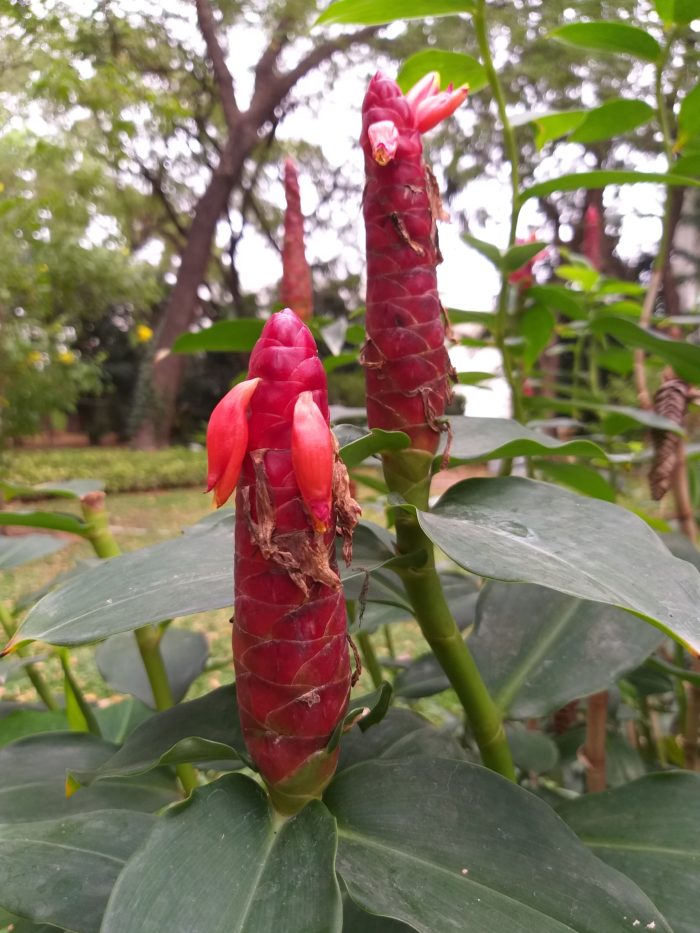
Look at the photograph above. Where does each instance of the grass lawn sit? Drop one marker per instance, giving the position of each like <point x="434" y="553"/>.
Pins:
<point x="139" y="520"/>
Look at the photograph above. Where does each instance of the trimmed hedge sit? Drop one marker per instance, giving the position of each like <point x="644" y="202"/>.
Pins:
<point x="121" y="469"/>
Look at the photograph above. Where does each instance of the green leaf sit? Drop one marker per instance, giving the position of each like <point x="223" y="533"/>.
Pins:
<point x="422" y="840"/>
<point x="535" y="326"/>
<point x="683" y="356"/>
<point x="472" y="378"/>
<point x="25" y="722"/>
<point x="184" y="655"/>
<point x="252" y="871"/>
<point x="376" y="442"/>
<point x="376" y="12"/>
<point x="33" y="779"/>
<point x="355" y="920"/>
<point x="493" y="438"/>
<point x="453" y="68"/>
<point x="26" y="548"/>
<point x="191" y="573"/>
<point x="581" y="275"/>
<point x="518" y="530"/>
<point x="689" y="115"/>
<point x="401" y="734"/>
<point x="604" y="36"/>
<point x="237" y="336"/>
<point x="685" y="11"/>
<point x="118" y="720"/>
<point x="550" y="124"/>
<point x="487" y="250"/>
<point x="520" y="254"/>
<point x="62" y="871"/>
<point x="600" y="179"/>
<point x="560" y="299"/>
<point x="578" y="477"/>
<point x="203" y="730"/>
<point x="532" y="751"/>
<point x="538" y="649"/>
<point x="647" y="830"/>
<point x="486" y="318"/>
<point x="331" y="363"/>
<point x="612" y="118"/>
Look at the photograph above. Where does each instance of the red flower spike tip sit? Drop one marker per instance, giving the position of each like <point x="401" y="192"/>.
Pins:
<point x="313" y="456"/>
<point x="434" y="109"/>
<point x="428" y="86"/>
<point x="592" y="236"/>
<point x="227" y="440"/>
<point x="384" y="140"/>
<point x="290" y="645"/>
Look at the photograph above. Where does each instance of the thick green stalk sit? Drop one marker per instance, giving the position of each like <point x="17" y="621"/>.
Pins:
<point x="31" y="670"/>
<point x="369" y="657"/>
<point x="511" y="149"/>
<point x="148" y="637"/>
<point x="440" y="630"/>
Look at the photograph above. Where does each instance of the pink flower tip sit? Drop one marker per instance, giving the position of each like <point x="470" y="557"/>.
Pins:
<point x="436" y="106"/>
<point x="313" y="456"/>
<point x="227" y="440"/>
<point x="384" y="140"/>
<point x="428" y="86"/>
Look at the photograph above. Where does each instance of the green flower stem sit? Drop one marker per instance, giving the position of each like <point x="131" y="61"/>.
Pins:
<point x="511" y="149"/>
<point x="440" y="630"/>
<point x="369" y="658"/>
<point x="148" y="637"/>
<point x="31" y="670"/>
<point x="80" y="715"/>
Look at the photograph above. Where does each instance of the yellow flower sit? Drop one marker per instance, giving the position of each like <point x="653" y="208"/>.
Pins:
<point x="67" y="357"/>
<point x="34" y="356"/>
<point x="143" y="333"/>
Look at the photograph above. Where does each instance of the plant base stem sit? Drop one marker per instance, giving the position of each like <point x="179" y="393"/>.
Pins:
<point x="369" y="657"/>
<point x="594" y="748"/>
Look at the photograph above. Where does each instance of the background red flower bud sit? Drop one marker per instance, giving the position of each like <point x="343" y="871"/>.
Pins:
<point x="297" y="290"/>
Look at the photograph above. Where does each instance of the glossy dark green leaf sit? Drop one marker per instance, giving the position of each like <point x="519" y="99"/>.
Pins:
<point x="14" y="665"/>
<point x="648" y="830"/>
<point x="376" y="442"/>
<point x="118" y="720"/>
<point x="683" y="356"/>
<point x="33" y="779"/>
<point x="247" y="869"/>
<point x="431" y="842"/>
<point x="203" y="730"/>
<point x="401" y="734"/>
<point x="52" y="521"/>
<point x="518" y="530"/>
<point x="424" y="677"/>
<point x="356" y="920"/>
<point x="612" y="118"/>
<point x="605" y="36"/>
<point x="191" y="573"/>
<point x="375" y="12"/>
<point x="532" y="751"/>
<point x="62" y="871"/>
<point x="25" y="722"/>
<point x="538" y="649"/>
<point x="26" y="548"/>
<point x="600" y="179"/>
<point x="493" y="438"/>
<point x="184" y="654"/>
<point x="578" y="477"/>
<point x="453" y="67"/>
<point x="224" y="337"/>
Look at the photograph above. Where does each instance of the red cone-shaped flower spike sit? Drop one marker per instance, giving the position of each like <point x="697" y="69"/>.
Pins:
<point x="313" y="456"/>
<point x="290" y="644"/>
<point x="407" y="366"/>
<point x="297" y="290"/>
<point x="227" y="440"/>
<point x="592" y="236"/>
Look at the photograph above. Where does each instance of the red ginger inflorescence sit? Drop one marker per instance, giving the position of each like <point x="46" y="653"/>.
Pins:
<point x="297" y="289"/>
<point x="290" y="644"/>
<point x="408" y="369"/>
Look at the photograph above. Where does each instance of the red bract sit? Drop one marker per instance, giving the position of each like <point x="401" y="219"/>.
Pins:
<point x="407" y="366"/>
<point x="592" y="236"/>
<point x="297" y="290"/>
<point x="290" y="644"/>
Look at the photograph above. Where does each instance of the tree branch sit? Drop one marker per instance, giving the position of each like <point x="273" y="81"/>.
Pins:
<point x="223" y="76"/>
